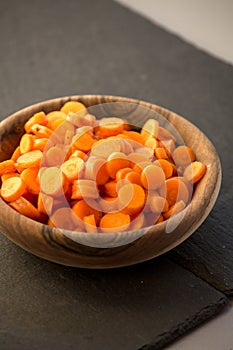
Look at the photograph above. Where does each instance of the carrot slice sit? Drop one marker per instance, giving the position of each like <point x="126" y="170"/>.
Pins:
<point x="175" y="190"/>
<point x="64" y="218"/>
<point x="78" y="154"/>
<point x="166" y="166"/>
<point x="158" y="204"/>
<point x="175" y="209"/>
<point x="84" y="189"/>
<point x="133" y="177"/>
<point x="110" y="126"/>
<point x="120" y="175"/>
<point x="115" y="162"/>
<point x="152" y="177"/>
<point x="150" y="128"/>
<point x="136" y="158"/>
<point x="4" y="177"/>
<point x="7" y="166"/>
<point x="161" y="153"/>
<point x="195" y="171"/>
<point x="83" y="141"/>
<point x="103" y="148"/>
<point x="110" y="188"/>
<point x="138" y="167"/>
<point x="114" y="222"/>
<point x="95" y="169"/>
<point x="41" y="131"/>
<point x="151" y="142"/>
<point x="26" y="143"/>
<point x="108" y="204"/>
<point x="164" y="134"/>
<point x="24" y="207"/>
<point x="53" y="116"/>
<point x="82" y="208"/>
<point x="90" y="224"/>
<point x="131" y="199"/>
<point x="73" y="168"/>
<point x="31" y="159"/>
<point x="53" y="182"/>
<point x="30" y="178"/>
<point x="73" y="107"/>
<point x="45" y="204"/>
<point x="135" y="136"/>
<point x="12" y="189"/>
<point x="38" y="118"/>
<point x="55" y="155"/>
<point x="183" y="156"/>
<point x="40" y="144"/>
<point x="16" y="154"/>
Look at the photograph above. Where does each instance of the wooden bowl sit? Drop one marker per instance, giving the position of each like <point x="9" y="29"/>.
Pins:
<point x="51" y="244"/>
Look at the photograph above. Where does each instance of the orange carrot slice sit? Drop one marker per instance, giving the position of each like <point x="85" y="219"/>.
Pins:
<point x="195" y="171"/>
<point x="131" y="199"/>
<point x="7" y="166"/>
<point x="174" y="191"/>
<point x="82" y="208"/>
<point x="90" y="224"/>
<point x="183" y="156"/>
<point x="12" y="189"/>
<point x="152" y="177"/>
<point x="115" y="162"/>
<point x="110" y="126"/>
<point x="30" y="178"/>
<point x="16" y="154"/>
<point x="114" y="222"/>
<point x="31" y="159"/>
<point x="82" y="189"/>
<point x="110" y="189"/>
<point x="45" y="204"/>
<point x="150" y="128"/>
<point x="73" y="168"/>
<point x="38" y="118"/>
<point x="26" y="143"/>
<point x="24" y="207"/>
<point x="166" y="166"/>
<point x="41" y="131"/>
<point x="73" y="107"/>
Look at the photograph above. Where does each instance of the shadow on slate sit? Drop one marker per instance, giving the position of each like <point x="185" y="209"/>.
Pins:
<point x="48" y="306"/>
<point x="86" y="46"/>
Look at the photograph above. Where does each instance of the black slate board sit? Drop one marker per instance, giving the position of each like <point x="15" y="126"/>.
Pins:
<point x="48" y="306"/>
<point x="76" y="47"/>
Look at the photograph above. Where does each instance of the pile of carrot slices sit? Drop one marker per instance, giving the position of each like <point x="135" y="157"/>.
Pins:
<point x="78" y="173"/>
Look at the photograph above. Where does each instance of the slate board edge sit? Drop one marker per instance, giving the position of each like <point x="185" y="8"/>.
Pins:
<point x="204" y="315"/>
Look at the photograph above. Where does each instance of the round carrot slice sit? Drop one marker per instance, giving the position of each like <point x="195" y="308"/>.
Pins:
<point x="26" y="143"/>
<point x="7" y="166"/>
<point x="73" y="107"/>
<point x="30" y="160"/>
<point x="64" y="218"/>
<point x="111" y="126"/>
<point x="166" y="166"/>
<point x="150" y="128"/>
<point x="115" y="162"/>
<point x="194" y="171"/>
<point x="158" y="204"/>
<point x="152" y="177"/>
<point x="131" y="198"/>
<point x="12" y="189"/>
<point x="114" y="222"/>
<point x="30" y="178"/>
<point x="52" y="181"/>
<point x="82" y="208"/>
<point x="72" y="168"/>
<point x="183" y="155"/>
<point x="24" y="207"/>
<point x="174" y="191"/>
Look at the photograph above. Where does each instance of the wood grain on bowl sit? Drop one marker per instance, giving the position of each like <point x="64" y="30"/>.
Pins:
<point x="51" y="244"/>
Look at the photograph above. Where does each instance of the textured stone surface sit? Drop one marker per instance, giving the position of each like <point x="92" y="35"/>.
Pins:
<point x="48" y="306"/>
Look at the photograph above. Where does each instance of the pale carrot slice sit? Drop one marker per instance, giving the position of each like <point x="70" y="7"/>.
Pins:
<point x="52" y="181"/>
<point x="164" y="134"/>
<point x="30" y="178"/>
<point x="65" y="219"/>
<point x="103" y="148"/>
<point x="183" y="156"/>
<point x="166" y="166"/>
<point x="31" y="159"/>
<point x="95" y="169"/>
<point x="26" y="143"/>
<point x="151" y="142"/>
<point x="114" y="222"/>
<point x="82" y="119"/>
<point x="12" y="189"/>
<point x="38" y="118"/>
<point x="150" y="128"/>
<point x="24" y="207"/>
<point x="146" y="151"/>
<point x="115" y="162"/>
<point x="138" y="167"/>
<point x="7" y="166"/>
<point x="82" y="208"/>
<point x="137" y="222"/>
<point x="73" y="107"/>
<point x="53" y="117"/>
<point x="174" y="191"/>
<point x="136" y="158"/>
<point x="55" y="155"/>
<point x="152" y="177"/>
<point x="90" y="224"/>
<point x="158" y="204"/>
<point x="41" y="131"/>
<point x="16" y="154"/>
<point x="195" y="171"/>
<point x="169" y="146"/>
<point x="82" y="189"/>
<point x="175" y="209"/>
<point x="132" y="199"/>
<point x="73" y="168"/>
<point x="108" y="204"/>
<point x="45" y="204"/>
